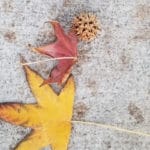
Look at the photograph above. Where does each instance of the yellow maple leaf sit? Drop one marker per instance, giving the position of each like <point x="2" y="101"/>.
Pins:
<point x="50" y="117"/>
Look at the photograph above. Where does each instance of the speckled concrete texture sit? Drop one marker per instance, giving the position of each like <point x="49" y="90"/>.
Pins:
<point x="112" y="74"/>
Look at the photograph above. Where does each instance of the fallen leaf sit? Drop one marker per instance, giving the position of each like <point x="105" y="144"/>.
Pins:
<point x="49" y="118"/>
<point x="64" y="46"/>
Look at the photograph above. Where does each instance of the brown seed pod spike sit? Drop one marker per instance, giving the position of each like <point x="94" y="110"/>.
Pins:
<point x="85" y="26"/>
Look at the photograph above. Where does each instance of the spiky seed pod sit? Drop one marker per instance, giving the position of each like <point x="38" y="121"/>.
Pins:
<point x="85" y="26"/>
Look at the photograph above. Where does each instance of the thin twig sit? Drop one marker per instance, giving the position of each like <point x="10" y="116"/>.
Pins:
<point x="50" y="59"/>
<point x="60" y="58"/>
<point x="112" y="128"/>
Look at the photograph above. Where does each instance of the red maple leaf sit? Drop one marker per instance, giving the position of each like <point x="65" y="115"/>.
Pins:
<point x="64" y="46"/>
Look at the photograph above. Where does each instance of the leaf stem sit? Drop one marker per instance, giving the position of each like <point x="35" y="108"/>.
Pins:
<point x="112" y="128"/>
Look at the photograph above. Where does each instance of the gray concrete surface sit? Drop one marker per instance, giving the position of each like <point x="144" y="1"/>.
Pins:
<point x="112" y="74"/>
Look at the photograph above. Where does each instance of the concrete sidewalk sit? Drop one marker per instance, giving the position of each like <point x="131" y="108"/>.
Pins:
<point x="112" y="74"/>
